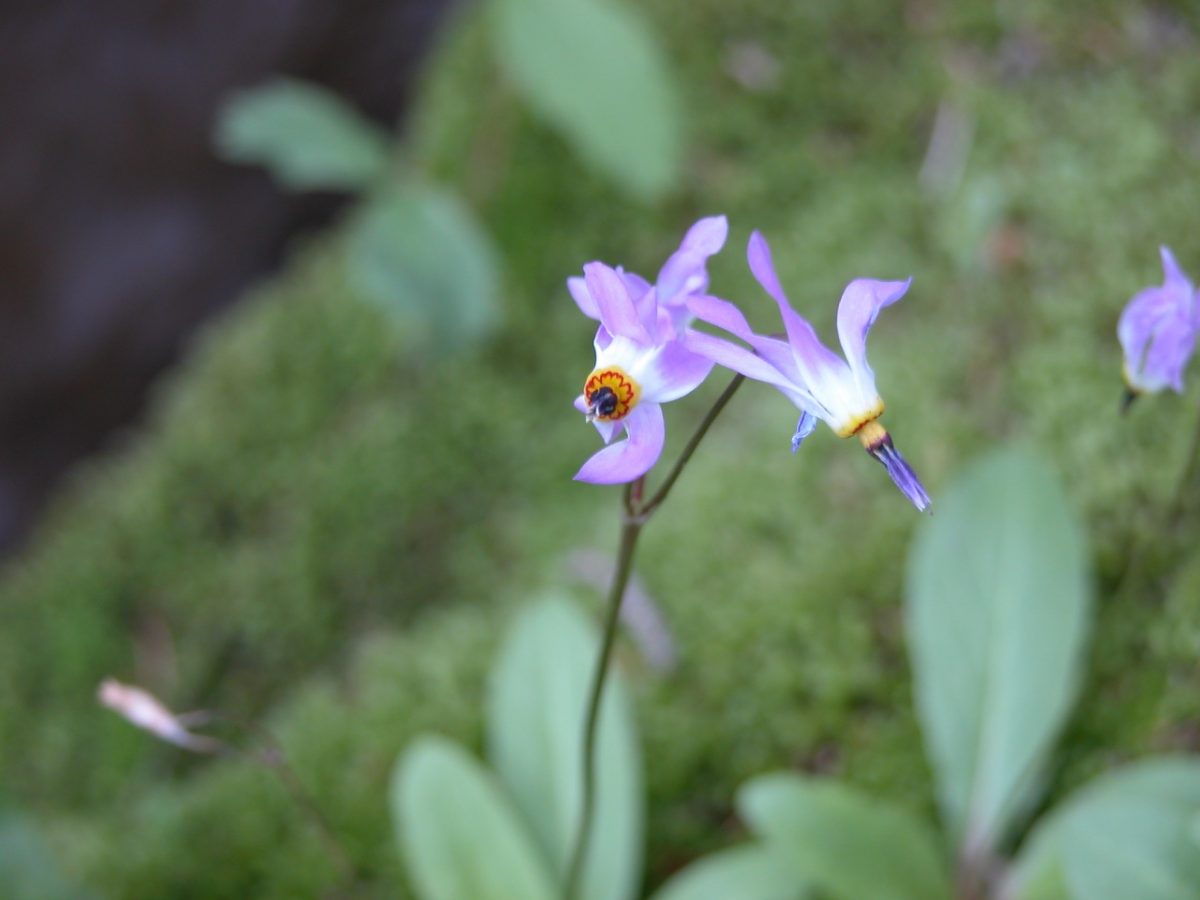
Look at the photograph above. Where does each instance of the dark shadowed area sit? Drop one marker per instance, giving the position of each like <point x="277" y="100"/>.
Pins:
<point x="120" y="230"/>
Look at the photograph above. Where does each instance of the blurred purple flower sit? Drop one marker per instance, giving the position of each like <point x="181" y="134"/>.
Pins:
<point x="682" y="275"/>
<point x="639" y="366"/>
<point x="821" y="384"/>
<point x="1157" y="331"/>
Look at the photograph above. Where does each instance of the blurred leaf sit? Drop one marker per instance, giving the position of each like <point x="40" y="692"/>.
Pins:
<point x="422" y="256"/>
<point x="460" y="838"/>
<point x="969" y="217"/>
<point x="535" y="718"/>
<point x="845" y="843"/>
<point x="28" y="871"/>
<point x="750" y="872"/>
<point x="1049" y="882"/>
<point x="594" y="71"/>
<point x="1128" y="834"/>
<point x="998" y="600"/>
<point x="305" y="135"/>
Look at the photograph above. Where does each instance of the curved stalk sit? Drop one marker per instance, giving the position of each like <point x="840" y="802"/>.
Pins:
<point x="636" y="514"/>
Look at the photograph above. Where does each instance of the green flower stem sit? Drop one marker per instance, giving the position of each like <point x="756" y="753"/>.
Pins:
<point x="1186" y="478"/>
<point x="1177" y="505"/>
<point x="661" y="494"/>
<point x="636" y="514"/>
<point x="270" y="755"/>
<point x="631" y="528"/>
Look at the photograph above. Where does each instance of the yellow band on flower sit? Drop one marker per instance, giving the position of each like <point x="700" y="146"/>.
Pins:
<point x="859" y="422"/>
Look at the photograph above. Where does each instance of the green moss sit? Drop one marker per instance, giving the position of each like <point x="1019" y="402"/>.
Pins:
<point x="318" y="526"/>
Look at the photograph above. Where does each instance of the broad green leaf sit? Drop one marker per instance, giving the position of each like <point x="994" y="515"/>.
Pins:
<point x="997" y="613"/>
<point x="304" y="135"/>
<point x="843" y="842"/>
<point x="535" y="719"/>
<point x="1126" y="835"/>
<point x="1048" y="883"/>
<point x="421" y="256"/>
<point x="592" y="69"/>
<point x="460" y="837"/>
<point x="751" y="872"/>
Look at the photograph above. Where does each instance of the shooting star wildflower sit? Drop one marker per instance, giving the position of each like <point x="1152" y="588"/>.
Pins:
<point x="683" y="275"/>
<point x="841" y="392"/>
<point x="1157" y="331"/>
<point x="640" y="365"/>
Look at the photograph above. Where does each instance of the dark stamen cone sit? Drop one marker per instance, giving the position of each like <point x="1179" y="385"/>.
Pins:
<point x="878" y="443"/>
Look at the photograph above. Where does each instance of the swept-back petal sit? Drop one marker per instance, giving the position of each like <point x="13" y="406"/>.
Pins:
<point x="583" y="297"/>
<point x="672" y="372"/>
<point x="637" y="286"/>
<point x="721" y="313"/>
<point x="647" y="307"/>
<point x="1173" y="275"/>
<point x="608" y="429"/>
<point x="633" y="457"/>
<point x="1168" y="357"/>
<point x="804" y="428"/>
<point x="602" y="340"/>
<point x="684" y="271"/>
<point x="728" y="317"/>
<point x="739" y="359"/>
<point x="617" y="311"/>
<point x="758" y="254"/>
<point x="816" y="361"/>
<point x="861" y="302"/>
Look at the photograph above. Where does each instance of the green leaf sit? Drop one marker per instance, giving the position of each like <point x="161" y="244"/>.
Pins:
<point x="998" y="602"/>
<point x="750" y="872"/>
<point x="845" y="843"/>
<point x="460" y="838"/>
<point x="304" y="135"/>
<point x="593" y="70"/>
<point x="422" y="256"/>
<point x="535" y="719"/>
<point x="1128" y="834"/>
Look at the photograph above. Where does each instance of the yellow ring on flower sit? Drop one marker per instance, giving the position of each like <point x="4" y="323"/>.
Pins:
<point x="855" y="425"/>
<point x="624" y="388"/>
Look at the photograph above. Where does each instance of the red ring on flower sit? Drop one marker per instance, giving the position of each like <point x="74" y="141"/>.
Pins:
<point x="624" y="388"/>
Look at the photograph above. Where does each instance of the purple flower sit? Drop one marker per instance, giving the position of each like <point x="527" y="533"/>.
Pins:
<point x="1158" y="331"/>
<point x="639" y="366"/>
<point x="682" y="275"/>
<point x="841" y="392"/>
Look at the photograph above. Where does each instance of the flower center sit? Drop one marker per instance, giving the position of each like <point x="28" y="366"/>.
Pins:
<point x="610" y="394"/>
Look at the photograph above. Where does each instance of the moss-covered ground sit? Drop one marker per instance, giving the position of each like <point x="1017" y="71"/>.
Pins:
<point x="325" y="529"/>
